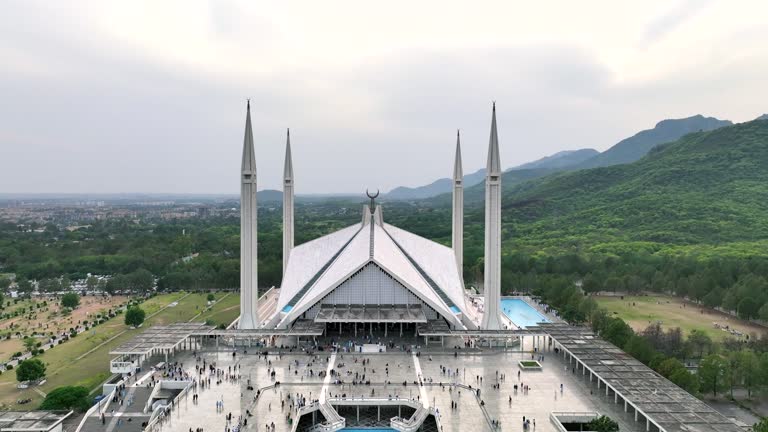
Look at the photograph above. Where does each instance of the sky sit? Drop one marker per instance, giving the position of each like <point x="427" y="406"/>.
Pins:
<point x="149" y="96"/>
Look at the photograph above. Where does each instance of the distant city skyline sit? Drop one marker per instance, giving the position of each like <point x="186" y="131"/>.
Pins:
<point x="146" y="97"/>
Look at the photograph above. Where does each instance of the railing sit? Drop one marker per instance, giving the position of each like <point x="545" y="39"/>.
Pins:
<point x="121" y="367"/>
<point x="580" y="417"/>
<point x="374" y="400"/>
<point x="411" y="424"/>
<point x="97" y="407"/>
<point x="328" y="427"/>
<point x="154" y="422"/>
<point x="148" y="405"/>
<point x="155" y="419"/>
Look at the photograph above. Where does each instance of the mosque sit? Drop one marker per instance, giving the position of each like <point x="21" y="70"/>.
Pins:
<point x="372" y="274"/>
<point x="395" y="287"/>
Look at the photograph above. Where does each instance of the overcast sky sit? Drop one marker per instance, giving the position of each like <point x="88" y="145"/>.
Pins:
<point x="132" y="96"/>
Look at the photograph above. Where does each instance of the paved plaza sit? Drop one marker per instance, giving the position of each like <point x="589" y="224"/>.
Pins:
<point x="270" y="387"/>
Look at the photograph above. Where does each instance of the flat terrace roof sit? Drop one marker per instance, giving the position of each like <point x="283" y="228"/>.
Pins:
<point x="441" y="328"/>
<point x="368" y="313"/>
<point x="170" y="336"/>
<point x="666" y="405"/>
<point x="299" y="328"/>
<point x="31" y="420"/>
<point x="161" y="337"/>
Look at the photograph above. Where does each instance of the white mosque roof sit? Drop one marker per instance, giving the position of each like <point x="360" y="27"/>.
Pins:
<point x="308" y="258"/>
<point x="426" y="268"/>
<point x="435" y="259"/>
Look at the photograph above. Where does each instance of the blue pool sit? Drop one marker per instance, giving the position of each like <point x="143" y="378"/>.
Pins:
<point x="521" y="313"/>
<point x="352" y="429"/>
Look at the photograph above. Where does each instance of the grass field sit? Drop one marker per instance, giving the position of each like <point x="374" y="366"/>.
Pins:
<point x="224" y="311"/>
<point x="72" y="363"/>
<point x="48" y="320"/>
<point x="641" y="311"/>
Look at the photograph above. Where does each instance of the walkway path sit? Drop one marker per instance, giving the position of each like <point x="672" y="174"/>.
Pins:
<point x="327" y="379"/>
<point x="209" y="308"/>
<point x="122" y="332"/>
<point x="422" y="389"/>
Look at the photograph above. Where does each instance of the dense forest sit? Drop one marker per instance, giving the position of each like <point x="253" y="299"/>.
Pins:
<point x="690" y="218"/>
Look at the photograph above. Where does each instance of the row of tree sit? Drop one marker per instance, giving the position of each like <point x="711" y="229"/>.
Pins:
<point x="727" y="277"/>
<point x="721" y="367"/>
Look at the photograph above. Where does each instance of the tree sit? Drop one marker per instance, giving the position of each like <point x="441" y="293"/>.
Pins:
<point x="211" y="297"/>
<point x="673" y="370"/>
<point x="116" y="283"/>
<point x="713" y="374"/>
<point x="70" y="300"/>
<point x="761" y="426"/>
<point x="602" y="424"/>
<point x="141" y="280"/>
<point x="700" y="341"/>
<point x="134" y="316"/>
<point x="91" y="283"/>
<point x="24" y="286"/>
<point x="639" y="348"/>
<point x="66" y="283"/>
<point x="763" y="312"/>
<point x="747" y="365"/>
<point x="30" y="370"/>
<point x="4" y="283"/>
<point x="748" y="308"/>
<point x="67" y="398"/>
<point x="49" y="285"/>
<point x="685" y="380"/>
<point x="617" y="332"/>
<point x="30" y="344"/>
<point x="614" y="284"/>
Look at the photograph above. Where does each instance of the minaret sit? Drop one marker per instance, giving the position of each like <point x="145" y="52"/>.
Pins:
<point x="491" y="317"/>
<point x="249" y="318"/>
<point x="287" y="203"/>
<point x="458" y="209"/>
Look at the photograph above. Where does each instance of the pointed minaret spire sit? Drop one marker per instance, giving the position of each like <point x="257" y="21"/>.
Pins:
<point x="492" y="282"/>
<point x="494" y="163"/>
<point x="457" y="241"/>
<point x="287" y="202"/>
<point x="249" y="294"/>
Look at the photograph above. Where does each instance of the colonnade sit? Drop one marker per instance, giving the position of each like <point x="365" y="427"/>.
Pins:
<point x="577" y="366"/>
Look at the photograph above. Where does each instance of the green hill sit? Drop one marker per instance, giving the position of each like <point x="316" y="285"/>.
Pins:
<point x="633" y="148"/>
<point x="708" y="187"/>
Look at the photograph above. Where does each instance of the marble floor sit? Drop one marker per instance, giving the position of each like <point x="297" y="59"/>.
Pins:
<point x="278" y="380"/>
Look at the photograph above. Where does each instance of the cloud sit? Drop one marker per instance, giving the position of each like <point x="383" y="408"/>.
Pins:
<point x="671" y="19"/>
<point x="108" y="97"/>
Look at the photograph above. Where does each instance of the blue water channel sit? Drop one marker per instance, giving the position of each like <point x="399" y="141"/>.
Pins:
<point x="368" y="429"/>
<point x="521" y="313"/>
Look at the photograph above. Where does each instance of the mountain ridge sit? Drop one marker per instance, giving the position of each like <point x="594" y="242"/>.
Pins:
<point x="559" y="160"/>
<point x="638" y="145"/>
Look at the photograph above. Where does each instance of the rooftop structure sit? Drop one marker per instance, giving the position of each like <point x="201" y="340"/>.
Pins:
<point x="372" y="264"/>
<point x="32" y="421"/>
<point x="661" y="402"/>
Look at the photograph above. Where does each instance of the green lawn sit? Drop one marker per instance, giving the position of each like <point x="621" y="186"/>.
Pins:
<point x="63" y="366"/>
<point x="224" y="311"/>
<point x="641" y="311"/>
